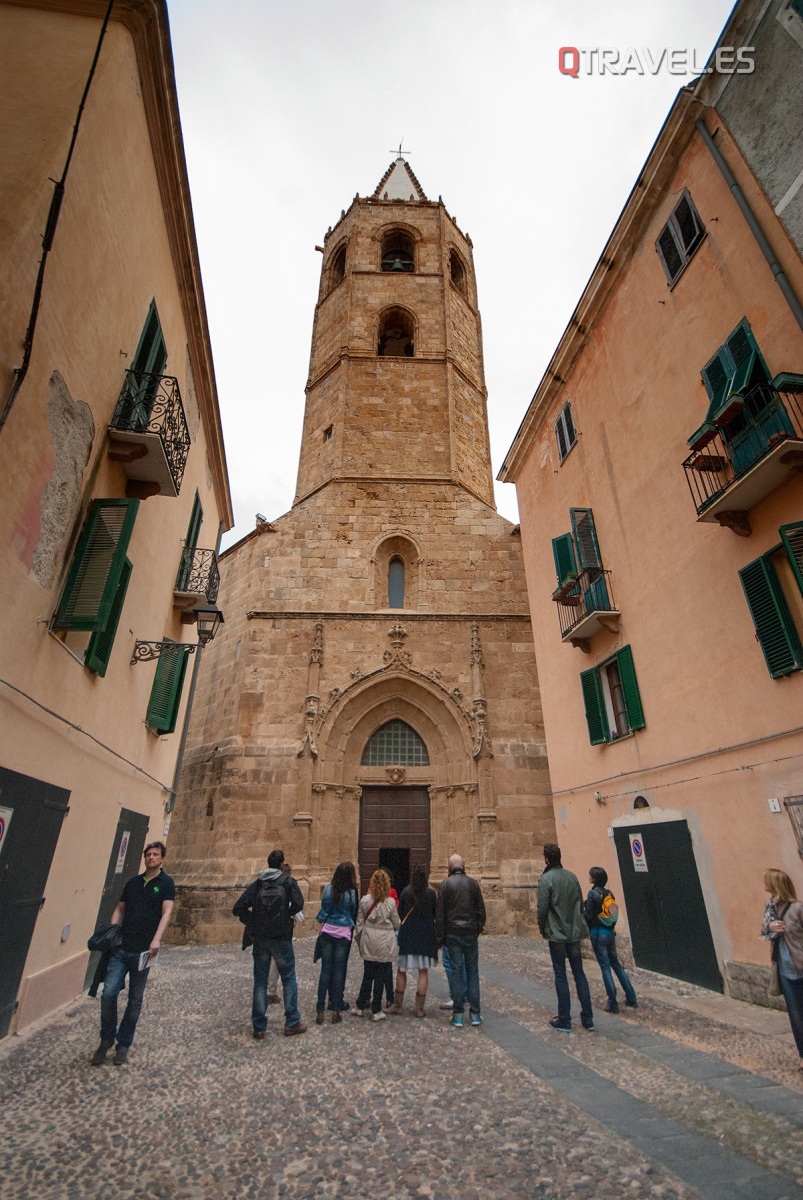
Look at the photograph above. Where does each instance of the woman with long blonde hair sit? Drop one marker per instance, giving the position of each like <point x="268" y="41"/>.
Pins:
<point x="783" y="927"/>
<point x="375" y="933"/>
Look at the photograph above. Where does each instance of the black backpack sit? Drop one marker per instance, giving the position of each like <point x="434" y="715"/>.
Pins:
<point x="270" y="914"/>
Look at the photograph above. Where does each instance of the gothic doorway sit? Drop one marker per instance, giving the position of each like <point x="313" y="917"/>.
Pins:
<point x="394" y="832"/>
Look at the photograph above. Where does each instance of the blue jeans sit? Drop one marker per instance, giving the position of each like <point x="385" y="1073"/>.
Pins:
<point x="447" y="966"/>
<point x="464" y="955"/>
<point x="334" y="963"/>
<point x="604" y="943"/>
<point x="280" y="949"/>
<point x="122" y="963"/>
<point x="559" y="952"/>
<point x="793" y="995"/>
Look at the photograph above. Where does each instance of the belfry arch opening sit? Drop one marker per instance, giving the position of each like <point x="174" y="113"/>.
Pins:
<point x="398" y="251"/>
<point x="337" y="270"/>
<point x="457" y="271"/>
<point x="396" y="337"/>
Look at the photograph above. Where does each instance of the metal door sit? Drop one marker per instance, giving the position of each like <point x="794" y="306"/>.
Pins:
<point x="124" y="862"/>
<point x="393" y="819"/>
<point x="666" y="911"/>
<point x="31" y="813"/>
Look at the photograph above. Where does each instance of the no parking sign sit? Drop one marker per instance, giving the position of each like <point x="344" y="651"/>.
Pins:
<point x="637" y="851"/>
<point x="5" y="820"/>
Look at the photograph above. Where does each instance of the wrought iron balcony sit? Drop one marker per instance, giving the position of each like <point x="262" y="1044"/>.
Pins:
<point x="148" y="434"/>
<point x="198" y="578"/>
<point x="586" y="605"/>
<point x="756" y="448"/>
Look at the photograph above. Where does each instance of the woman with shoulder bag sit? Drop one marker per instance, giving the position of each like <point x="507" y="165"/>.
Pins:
<point x="603" y="938"/>
<point x="417" y="948"/>
<point x="377" y="922"/>
<point x="783" y="927"/>
<point x="337" y="918"/>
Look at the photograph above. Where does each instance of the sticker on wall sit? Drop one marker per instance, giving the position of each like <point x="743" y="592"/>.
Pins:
<point x="5" y="820"/>
<point x="121" y="853"/>
<point x="637" y="851"/>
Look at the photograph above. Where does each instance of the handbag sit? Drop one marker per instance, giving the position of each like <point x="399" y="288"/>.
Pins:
<point x="106" y="938"/>
<point x="318" y="951"/>
<point x="774" y="988"/>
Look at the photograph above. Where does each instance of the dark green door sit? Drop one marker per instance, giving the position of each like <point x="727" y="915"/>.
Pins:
<point x="31" y="813"/>
<point x="124" y="862"/>
<point x="665" y="907"/>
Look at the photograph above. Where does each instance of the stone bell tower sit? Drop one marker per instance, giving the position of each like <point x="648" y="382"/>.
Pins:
<point x="373" y="693"/>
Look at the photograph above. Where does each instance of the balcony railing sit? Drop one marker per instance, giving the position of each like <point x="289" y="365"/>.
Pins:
<point x="585" y="606"/>
<point x="198" y="576"/>
<point x="149" y="435"/>
<point x="734" y="466"/>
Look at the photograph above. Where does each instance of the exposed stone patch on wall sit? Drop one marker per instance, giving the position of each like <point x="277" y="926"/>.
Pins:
<point x="191" y="411"/>
<point x="72" y="431"/>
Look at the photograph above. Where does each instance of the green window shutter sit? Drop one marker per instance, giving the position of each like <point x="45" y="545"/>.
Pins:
<point x="775" y="629"/>
<point x="166" y="691"/>
<point x="563" y="553"/>
<point x="596" y="716"/>
<point x="151" y="354"/>
<point x="98" y="652"/>
<point x="585" y="539"/>
<point x="97" y="565"/>
<point x="673" y="259"/>
<point x="627" y="674"/>
<point x="689" y="225"/>
<point x="194" y="527"/>
<point x="792" y="538"/>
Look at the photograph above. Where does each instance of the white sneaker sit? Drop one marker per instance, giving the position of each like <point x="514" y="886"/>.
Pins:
<point x="359" y="1012"/>
<point x="380" y="1016"/>
<point x="447" y="1004"/>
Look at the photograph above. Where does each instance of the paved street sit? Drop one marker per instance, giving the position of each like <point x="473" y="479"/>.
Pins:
<point x="692" y="1095"/>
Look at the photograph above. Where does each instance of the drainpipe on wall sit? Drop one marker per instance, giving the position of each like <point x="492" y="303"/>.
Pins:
<point x="756" y="230"/>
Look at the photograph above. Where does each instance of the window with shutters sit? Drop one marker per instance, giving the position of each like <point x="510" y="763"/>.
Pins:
<point x="773" y="588"/>
<point x="565" y="432"/>
<point x="679" y="238"/>
<point x="612" y="699"/>
<point x="97" y="566"/>
<point x="583" y="595"/>
<point x="99" y="650"/>
<point x="171" y="666"/>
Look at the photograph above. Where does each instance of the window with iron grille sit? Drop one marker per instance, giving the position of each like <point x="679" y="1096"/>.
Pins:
<point x="679" y="238"/>
<point x="395" y="744"/>
<point x="565" y="431"/>
<point x="794" y="806"/>
<point x="773" y="588"/>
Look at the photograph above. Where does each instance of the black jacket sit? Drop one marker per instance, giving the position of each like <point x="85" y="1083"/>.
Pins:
<point x="460" y="909"/>
<point x="245" y="905"/>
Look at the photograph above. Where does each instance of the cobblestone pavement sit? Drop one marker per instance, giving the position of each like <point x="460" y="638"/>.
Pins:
<point x="691" y="1096"/>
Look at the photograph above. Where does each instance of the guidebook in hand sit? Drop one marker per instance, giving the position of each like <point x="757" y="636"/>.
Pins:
<point x="145" y="960"/>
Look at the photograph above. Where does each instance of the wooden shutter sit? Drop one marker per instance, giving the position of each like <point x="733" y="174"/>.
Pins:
<point x="166" y="691"/>
<point x="792" y="538"/>
<point x="773" y="623"/>
<point x="670" y="255"/>
<point x="688" y="225"/>
<point x="627" y="674"/>
<point x="98" y="652"/>
<point x="560" y="434"/>
<point x="596" y="716"/>
<point x="585" y="539"/>
<point x="97" y="565"/>
<point x="151" y="354"/>
<point x="563" y="554"/>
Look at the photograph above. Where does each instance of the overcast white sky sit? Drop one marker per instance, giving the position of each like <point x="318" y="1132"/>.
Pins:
<point x="290" y="107"/>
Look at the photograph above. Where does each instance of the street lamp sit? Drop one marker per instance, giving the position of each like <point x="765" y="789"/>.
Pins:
<point x="208" y="618"/>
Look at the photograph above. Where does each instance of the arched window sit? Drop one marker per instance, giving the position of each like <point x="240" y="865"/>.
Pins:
<point x="398" y="251"/>
<point x="396" y="335"/>
<point x="640" y="802"/>
<point x="396" y="583"/>
<point x="457" y="272"/>
<point x="338" y="267"/>
<point x="395" y="744"/>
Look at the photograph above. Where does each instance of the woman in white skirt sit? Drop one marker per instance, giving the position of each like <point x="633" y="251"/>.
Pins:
<point x="417" y="949"/>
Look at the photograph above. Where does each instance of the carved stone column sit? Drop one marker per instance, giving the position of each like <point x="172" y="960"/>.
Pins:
<point x="308" y="752"/>
<point x="483" y="753"/>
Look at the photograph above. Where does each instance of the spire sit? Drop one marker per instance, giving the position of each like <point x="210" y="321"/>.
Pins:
<point x="399" y="183"/>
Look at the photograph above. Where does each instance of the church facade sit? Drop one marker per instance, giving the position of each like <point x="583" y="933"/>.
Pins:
<point x="373" y="694"/>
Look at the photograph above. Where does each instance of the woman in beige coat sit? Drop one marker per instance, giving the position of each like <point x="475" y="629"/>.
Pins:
<point x="375" y="933"/>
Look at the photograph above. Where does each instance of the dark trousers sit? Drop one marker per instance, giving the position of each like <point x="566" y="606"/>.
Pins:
<point x="793" y="995"/>
<point x="559" y="952"/>
<point x="464" y="954"/>
<point x="334" y="964"/>
<point x="122" y="963"/>
<point x="373" y="981"/>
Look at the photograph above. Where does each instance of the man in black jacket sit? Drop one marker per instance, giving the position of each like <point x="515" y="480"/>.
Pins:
<point x="266" y="908"/>
<point x="459" y="920"/>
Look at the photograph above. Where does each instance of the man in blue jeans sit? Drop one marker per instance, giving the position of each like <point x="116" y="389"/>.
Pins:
<point x="561" y="921"/>
<point x="603" y="939"/>
<point x="143" y="912"/>
<point x="459" y="920"/>
<point x="266" y="908"/>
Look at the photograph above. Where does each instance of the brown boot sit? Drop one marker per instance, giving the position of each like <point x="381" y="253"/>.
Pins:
<point x="398" y="1003"/>
<point x="420" y="1001"/>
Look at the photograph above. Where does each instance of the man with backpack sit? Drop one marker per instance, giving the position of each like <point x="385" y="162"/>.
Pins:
<point x="602" y="913"/>
<point x="267" y="908"/>
<point x="560" y="920"/>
